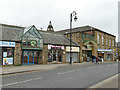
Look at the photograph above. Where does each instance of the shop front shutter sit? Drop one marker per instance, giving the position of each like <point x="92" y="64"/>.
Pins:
<point x="74" y="57"/>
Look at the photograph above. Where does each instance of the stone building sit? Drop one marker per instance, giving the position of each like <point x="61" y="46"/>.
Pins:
<point x="118" y="50"/>
<point x="27" y="45"/>
<point x="93" y="42"/>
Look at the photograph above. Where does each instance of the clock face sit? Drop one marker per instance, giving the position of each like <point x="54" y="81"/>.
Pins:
<point x="33" y="42"/>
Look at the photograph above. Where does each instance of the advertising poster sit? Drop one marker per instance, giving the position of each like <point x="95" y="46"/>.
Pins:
<point x="4" y="54"/>
<point x="7" y="61"/>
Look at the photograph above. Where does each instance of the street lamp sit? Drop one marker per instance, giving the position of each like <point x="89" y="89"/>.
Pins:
<point x="75" y="19"/>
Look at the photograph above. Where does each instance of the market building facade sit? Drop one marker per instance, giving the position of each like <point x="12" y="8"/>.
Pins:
<point x="25" y="46"/>
<point x="93" y="42"/>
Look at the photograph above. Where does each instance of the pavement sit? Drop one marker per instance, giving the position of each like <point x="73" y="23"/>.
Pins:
<point x="111" y="82"/>
<point x="35" y="67"/>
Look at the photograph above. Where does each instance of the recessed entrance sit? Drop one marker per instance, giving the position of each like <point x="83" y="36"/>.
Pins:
<point x="30" y="57"/>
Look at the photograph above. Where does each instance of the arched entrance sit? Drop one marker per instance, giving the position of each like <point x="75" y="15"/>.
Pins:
<point x="88" y="49"/>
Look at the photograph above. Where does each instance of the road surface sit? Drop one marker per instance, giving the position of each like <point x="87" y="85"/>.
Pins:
<point x="65" y="77"/>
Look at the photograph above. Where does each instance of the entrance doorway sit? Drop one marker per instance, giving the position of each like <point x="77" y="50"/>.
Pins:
<point x="55" y="54"/>
<point x="30" y="57"/>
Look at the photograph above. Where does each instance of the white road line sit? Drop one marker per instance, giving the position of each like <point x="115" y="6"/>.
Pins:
<point x="20" y="82"/>
<point x="68" y="71"/>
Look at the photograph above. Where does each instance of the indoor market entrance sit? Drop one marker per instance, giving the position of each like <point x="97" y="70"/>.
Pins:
<point x="30" y="57"/>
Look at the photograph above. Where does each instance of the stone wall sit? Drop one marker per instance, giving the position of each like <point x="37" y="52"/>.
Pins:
<point x="43" y="55"/>
<point x="17" y="54"/>
<point x="77" y="36"/>
<point x="64" y="55"/>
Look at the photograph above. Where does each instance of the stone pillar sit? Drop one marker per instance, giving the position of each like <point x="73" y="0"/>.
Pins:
<point x="81" y="58"/>
<point x="64" y="55"/>
<point x="105" y="56"/>
<point x="43" y="55"/>
<point x="95" y="51"/>
<point x="17" y="54"/>
<point x="40" y="57"/>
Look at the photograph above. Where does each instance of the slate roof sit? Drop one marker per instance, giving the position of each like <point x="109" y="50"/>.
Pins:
<point x="10" y="33"/>
<point x="56" y="39"/>
<point x="81" y="29"/>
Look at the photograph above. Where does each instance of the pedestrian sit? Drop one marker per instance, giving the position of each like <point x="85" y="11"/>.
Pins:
<point x="97" y="60"/>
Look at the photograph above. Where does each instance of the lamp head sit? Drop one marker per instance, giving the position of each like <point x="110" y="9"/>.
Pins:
<point x="75" y="19"/>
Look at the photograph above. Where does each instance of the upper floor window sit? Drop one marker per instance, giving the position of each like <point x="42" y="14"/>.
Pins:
<point x="113" y="42"/>
<point x="110" y="42"/>
<point x="102" y="40"/>
<point x="106" y="40"/>
<point x="98" y="39"/>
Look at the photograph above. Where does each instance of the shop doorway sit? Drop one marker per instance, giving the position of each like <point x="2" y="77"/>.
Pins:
<point x="30" y="57"/>
<point x="55" y="55"/>
<point x="87" y="53"/>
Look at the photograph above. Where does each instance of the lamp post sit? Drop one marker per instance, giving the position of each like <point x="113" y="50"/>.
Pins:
<point x="75" y="19"/>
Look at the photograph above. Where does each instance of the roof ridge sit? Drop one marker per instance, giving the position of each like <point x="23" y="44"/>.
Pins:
<point x="52" y="33"/>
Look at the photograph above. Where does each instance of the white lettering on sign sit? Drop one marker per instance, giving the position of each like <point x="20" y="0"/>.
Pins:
<point x="53" y="46"/>
<point x="7" y="44"/>
<point x="105" y="50"/>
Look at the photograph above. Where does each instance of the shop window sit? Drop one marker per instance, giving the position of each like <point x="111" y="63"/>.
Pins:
<point x="55" y="54"/>
<point x="82" y="36"/>
<point x="8" y="56"/>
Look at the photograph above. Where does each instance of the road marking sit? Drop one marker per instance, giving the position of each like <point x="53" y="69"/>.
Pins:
<point x="68" y="71"/>
<point x="20" y="82"/>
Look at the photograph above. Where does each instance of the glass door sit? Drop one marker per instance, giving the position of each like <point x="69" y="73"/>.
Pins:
<point x="30" y="57"/>
<point x="35" y="56"/>
<point x="25" y="57"/>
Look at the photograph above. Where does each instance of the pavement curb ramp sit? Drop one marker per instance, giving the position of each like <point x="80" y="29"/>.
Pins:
<point x="99" y="84"/>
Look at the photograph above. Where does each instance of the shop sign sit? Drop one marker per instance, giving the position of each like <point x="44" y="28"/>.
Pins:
<point x="109" y="53"/>
<point x="53" y="46"/>
<point x="7" y="44"/>
<point x="74" y="49"/>
<point x="105" y="50"/>
<point x="101" y="52"/>
<point x="8" y="61"/>
<point x="33" y="42"/>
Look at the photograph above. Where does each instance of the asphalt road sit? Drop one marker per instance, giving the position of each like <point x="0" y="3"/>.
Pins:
<point x="65" y="77"/>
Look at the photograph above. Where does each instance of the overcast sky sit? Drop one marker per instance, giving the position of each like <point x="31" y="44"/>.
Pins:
<point x="102" y="14"/>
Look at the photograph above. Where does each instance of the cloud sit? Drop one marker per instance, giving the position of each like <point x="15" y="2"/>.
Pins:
<point x="102" y="14"/>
